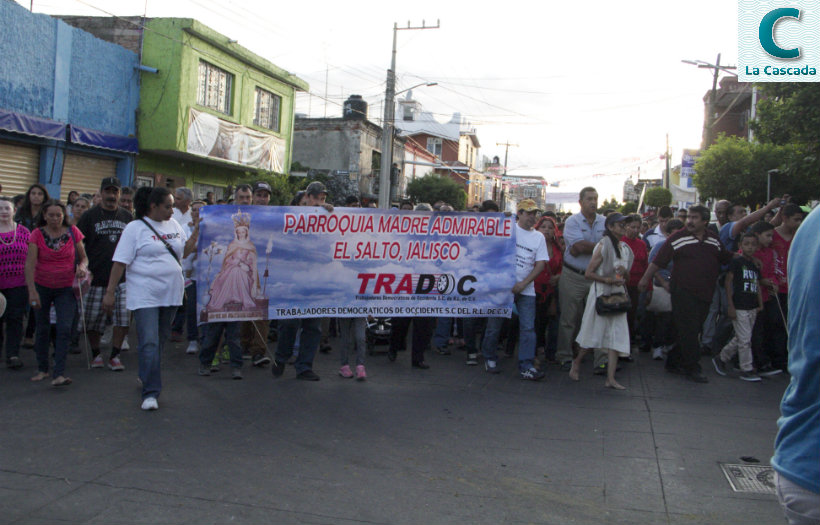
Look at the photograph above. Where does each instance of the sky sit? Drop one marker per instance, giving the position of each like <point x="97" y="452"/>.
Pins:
<point x="581" y="88"/>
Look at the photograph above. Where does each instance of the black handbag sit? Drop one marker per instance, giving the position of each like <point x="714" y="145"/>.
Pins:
<point x="612" y="304"/>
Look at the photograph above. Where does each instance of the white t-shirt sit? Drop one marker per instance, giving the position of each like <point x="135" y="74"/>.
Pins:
<point x="530" y="247"/>
<point x="154" y="277"/>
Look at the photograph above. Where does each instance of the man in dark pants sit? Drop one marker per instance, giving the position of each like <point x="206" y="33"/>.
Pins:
<point x="697" y="253"/>
<point x="315" y="195"/>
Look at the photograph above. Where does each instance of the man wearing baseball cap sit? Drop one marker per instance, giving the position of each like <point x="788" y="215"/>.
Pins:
<point x="530" y="259"/>
<point x="311" y="334"/>
<point x="102" y="227"/>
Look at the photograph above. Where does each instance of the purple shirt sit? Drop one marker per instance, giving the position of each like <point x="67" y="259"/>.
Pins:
<point x="13" y="250"/>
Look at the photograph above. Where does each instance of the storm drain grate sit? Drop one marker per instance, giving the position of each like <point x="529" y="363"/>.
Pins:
<point x="749" y="478"/>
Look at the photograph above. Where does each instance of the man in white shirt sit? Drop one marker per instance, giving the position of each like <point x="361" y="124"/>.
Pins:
<point x="530" y="259"/>
<point x="183" y="197"/>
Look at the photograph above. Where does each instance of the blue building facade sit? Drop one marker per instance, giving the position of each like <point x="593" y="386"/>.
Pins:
<point x="68" y="103"/>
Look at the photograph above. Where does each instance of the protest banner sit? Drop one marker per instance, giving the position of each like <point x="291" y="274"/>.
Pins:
<point x="270" y="262"/>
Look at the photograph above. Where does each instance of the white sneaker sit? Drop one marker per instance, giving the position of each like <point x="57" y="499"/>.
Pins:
<point x="98" y="362"/>
<point x="150" y="403"/>
<point x="193" y="348"/>
<point x="657" y="353"/>
<point x="105" y="338"/>
<point x="125" y="345"/>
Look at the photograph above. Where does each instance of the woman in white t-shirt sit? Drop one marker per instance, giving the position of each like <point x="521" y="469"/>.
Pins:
<point x="150" y="250"/>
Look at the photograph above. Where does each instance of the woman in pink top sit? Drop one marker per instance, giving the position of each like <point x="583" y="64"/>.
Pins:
<point x="14" y="239"/>
<point x="53" y="251"/>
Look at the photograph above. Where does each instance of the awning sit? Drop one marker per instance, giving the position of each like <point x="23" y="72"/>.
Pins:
<point x="99" y="139"/>
<point x="28" y="125"/>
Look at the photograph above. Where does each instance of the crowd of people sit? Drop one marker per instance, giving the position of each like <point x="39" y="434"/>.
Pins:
<point x="675" y="283"/>
<point x="687" y="286"/>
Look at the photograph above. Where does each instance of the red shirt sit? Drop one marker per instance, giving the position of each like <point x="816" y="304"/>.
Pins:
<point x="768" y="261"/>
<point x="641" y="261"/>
<point x="781" y="247"/>
<point x="543" y="288"/>
<point x="55" y="268"/>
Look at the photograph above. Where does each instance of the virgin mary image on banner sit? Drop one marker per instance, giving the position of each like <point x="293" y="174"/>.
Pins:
<point x="236" y="287"/>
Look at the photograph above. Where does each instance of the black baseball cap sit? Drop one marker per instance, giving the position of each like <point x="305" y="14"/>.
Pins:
<point x="316" y="188"/>
<point x="110" y="182"/>
<point x="262" y="185"/>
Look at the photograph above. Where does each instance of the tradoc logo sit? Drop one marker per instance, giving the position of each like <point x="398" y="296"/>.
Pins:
<point x="778" y="43"/>
<point x="415" y="284"/>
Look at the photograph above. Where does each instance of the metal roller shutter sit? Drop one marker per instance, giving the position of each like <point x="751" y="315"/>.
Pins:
<point x="83" y="173"/>
<point x="19" y="168"/>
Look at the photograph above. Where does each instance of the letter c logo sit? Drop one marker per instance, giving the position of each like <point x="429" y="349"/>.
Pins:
<point x="766" y="32"/>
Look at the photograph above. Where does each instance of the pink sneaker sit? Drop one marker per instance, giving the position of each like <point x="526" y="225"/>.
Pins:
<point x="361" y="375"/>
<point x="115" y="364"/>
<point x="346" y="372"/>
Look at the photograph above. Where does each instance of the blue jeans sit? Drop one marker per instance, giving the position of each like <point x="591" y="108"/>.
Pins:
<point x="16" y="302"/>
<point x="308" y="341"/>
<point x="65" y="306"/>
<point x="153" y="329"/>
<point x="526" y="338"/>
<point x="444" y="327"/>
<point x="213" y="331"/>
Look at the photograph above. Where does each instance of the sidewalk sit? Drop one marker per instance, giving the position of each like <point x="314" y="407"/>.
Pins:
<point x="452" y="444"/>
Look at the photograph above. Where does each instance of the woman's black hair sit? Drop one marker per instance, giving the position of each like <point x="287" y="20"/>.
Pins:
<point x="41" y="217"/>
<point x="146" y="196"/>
<point x="25" y="208"/>
<point x="616" y="242"/>
<point x="297" y="198"/>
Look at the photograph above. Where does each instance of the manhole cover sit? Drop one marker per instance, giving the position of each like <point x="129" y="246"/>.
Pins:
<point x="749" y="478"/>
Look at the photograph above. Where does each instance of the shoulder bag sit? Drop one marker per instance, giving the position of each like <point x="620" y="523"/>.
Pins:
<point x="612" y="304"/>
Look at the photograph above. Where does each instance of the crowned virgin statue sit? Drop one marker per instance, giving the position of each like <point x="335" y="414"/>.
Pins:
<point x="236" y="286"/>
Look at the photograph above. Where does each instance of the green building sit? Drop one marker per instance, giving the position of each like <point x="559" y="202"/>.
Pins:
<point x="210" y="110"/>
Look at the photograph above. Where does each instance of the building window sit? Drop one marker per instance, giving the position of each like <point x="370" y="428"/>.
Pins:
<point x="266" y="110"/>
<point x="214" y="88"/>
<point x="409" y="113"/>
<point x="434" y="146"/>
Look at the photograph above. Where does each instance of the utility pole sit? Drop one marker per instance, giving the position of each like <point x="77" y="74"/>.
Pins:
<point x="708" y="131"/>
<point x="389" y="115"/>
<point x="502" y="204"/>
<point x="668" y="177"/>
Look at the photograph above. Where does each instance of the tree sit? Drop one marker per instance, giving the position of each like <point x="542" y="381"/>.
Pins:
<point x="735" y="169"/>
<point x="611" y="204"/>
<point x="788" y="115"/>
<point x="433" y="187"/>
<point x="629" y="207"/>
<point x="657" y="197"/>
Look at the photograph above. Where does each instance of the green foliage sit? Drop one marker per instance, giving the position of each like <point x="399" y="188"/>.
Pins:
<point x="735" y="169"/>
<point x="657" y="197"/>
<point x="788" y="115"/>
<point x="629" y="207"/>
<point x="433" y="187"/>
<point x="610" y="204"/>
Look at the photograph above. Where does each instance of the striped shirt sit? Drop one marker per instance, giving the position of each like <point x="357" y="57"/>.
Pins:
<point x="697" y="262"/>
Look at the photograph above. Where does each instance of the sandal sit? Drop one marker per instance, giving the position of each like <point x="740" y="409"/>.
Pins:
<point x="39" y="376"/>
<point x="61" y="381"/>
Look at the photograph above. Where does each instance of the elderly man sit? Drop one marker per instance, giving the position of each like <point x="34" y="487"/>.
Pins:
<point x="183" y="197"/>
<point x="582" y="231"/>
<point x="254" y="334"/>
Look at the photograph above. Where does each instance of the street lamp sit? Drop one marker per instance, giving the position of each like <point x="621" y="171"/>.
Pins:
<point x="769" y="183"/>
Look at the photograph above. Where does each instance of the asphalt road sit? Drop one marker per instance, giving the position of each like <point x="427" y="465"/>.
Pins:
<point x="451" y="444"/>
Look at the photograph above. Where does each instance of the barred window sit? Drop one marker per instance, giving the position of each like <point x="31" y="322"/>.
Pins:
<point x="266" y="111"/>
<point x="214" y="88"/>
